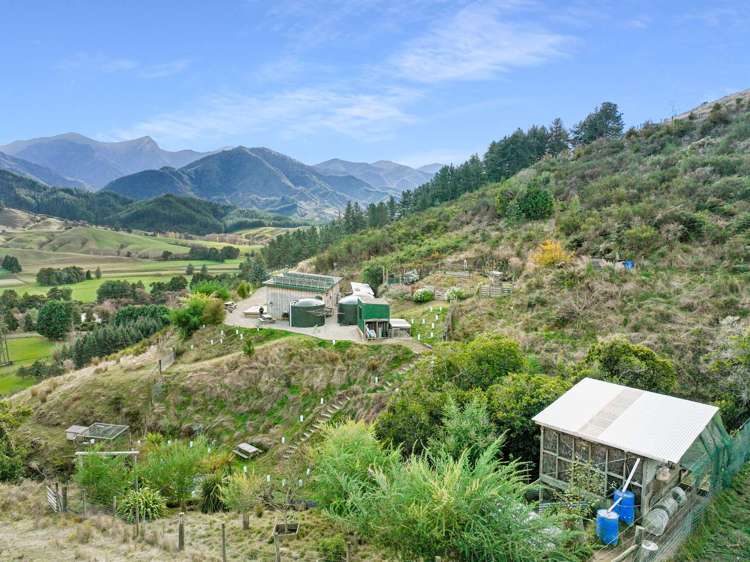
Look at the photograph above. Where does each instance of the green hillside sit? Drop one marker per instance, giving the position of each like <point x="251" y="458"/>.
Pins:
<point x="165" y="213"/>
<point x="672" y="197"/>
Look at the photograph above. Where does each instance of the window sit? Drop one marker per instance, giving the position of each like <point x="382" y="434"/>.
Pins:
<point x="566" y="446"/>
<point x="550" y="440"/>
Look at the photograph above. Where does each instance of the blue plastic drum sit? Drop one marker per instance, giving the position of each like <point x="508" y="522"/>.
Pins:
<point x="626" y="508"/>
<point x="608" y="526"/>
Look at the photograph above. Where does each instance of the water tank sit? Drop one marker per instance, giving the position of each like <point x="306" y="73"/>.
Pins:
<point x="626" y="508"/>
<point x="607" y="527"/>
<point x="679" y="495"/>
<point x="347" y="310"/>
<point x="307" y="313"/>
<point x="655" y="522"/>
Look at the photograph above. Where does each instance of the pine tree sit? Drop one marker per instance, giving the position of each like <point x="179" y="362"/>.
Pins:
<point x="604" y="122"/>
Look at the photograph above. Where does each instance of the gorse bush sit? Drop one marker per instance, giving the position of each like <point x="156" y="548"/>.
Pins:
<point x="145" y="503"/>
<point x="550" y="253"/>
<point x="332" y="549"/>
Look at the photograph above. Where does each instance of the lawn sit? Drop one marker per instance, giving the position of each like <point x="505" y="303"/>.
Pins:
<point x="724" y="531"/>
<point x="85" y="291"/>
<point x="23" y="351"/>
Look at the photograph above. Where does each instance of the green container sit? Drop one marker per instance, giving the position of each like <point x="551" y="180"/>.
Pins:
<point x="307" y="313"/>
<point x="347" y="310"/>
<point x="372" y="309"/>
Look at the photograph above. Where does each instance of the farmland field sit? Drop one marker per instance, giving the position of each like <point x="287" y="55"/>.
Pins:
<point x="23" y="350"/>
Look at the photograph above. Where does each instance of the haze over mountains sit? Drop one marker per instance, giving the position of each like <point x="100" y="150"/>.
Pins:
<point x="258" y="178"/>
<point x="95" y="163"/>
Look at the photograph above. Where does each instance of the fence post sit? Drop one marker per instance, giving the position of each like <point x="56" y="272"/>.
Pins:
<point x="65" y="498"/>
<point x="181" y="533"/>
<point x="348" y="551"/>
<point x="114" y="512"/>
<point x="83" y="498"/>
<point x="277" y="547"/>
<point x="223" y="543"/>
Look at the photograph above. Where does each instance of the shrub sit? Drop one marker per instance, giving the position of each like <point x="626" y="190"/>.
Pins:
<point x="332" y="549"/>
<point x="619" y="361"/>
<point x="148" y="503"/>
<point x="199" y="310"/>
<point x="132" y="313"/>
<point x="344" y="462"/>
<point x="103" y="477"/>
<point x="171" y="468"/>
<point x="536" y="203"/>
<point x="242" y="493"/>
<point x="243" y="289"/>
<point x="550" y="253"/>
<point x="464" y="429"/>
<point x="248" y="348"/>
<point x="513" y="402"/>
<point x="455" y="294"/>
<point x="211" y="500"/>
<point x="483" y="362"/>
<point x="423" y="295"/>
<point x="211" y="289"/>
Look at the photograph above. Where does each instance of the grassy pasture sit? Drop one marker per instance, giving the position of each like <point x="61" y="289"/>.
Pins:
<point x="23" y="350"/>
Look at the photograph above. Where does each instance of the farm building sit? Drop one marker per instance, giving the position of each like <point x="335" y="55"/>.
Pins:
<point x="607" y="428"/>
<point x="285" y="288"/>
<point x="373" y="317"/>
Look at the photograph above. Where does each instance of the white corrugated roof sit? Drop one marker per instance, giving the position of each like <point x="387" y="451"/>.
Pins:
<point x="361" y="288"/>
<point x="651" y="425"/>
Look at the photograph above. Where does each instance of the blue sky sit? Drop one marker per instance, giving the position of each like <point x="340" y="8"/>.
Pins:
<point x="414" y="81"/>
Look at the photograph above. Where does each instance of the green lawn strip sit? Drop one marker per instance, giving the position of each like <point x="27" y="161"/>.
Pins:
<point x="23" y="351"/>
<point x="724" y="530"/>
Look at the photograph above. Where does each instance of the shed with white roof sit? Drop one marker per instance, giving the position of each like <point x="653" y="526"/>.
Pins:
<point x="608" y="427"/>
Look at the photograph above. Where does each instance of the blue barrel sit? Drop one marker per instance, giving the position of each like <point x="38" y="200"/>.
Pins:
<point x="607" y="526"/>
<point x="626" y="508"/>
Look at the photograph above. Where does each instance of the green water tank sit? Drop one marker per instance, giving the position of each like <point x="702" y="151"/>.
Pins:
<point x="307" y="313"/>
<point x="347" y="310"/>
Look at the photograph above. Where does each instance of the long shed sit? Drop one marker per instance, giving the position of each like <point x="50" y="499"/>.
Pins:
<point x="608" y="427"/>
<point x="285" y="288"/>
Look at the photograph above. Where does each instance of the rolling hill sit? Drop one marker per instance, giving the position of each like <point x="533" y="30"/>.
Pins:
<point x="252" y="178"/>
<point x="96" y="163"/>
<point x="383" y="174"/>
<point x="165" y="213"/>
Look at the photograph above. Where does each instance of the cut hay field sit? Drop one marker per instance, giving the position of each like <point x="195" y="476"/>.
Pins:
<point x="23" y="350"/>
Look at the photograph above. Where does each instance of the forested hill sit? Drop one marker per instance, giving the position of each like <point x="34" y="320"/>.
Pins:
<point x="165" y="213"/>
<point x="673" y="197"/>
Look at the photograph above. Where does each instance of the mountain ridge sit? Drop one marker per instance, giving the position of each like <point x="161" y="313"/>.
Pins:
<point x="96" y="163"/>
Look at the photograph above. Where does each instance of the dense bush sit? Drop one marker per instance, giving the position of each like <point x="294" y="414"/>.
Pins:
<point x="514" y="402"/>
<point x="109" y="338"/>
<point x="482" y="362"/>
<point x="332" y="549"/>
<point x="619" y="361"/>
<point x="131" y="313"/>
<point x="211" y="500"/>
<point x="393" y="503"/>
<point x="47" y="276"/>
<point x="11" y="264"/>
<point x="103" y="477"/>
<point x="171" y="468"/>
<point x="199" y="310"/>
<point x="118" y="289"/>
<point x="455" y="294"/>
<point x="212" y="289"/>
<point x="55" y="319"/>
<point x="423" y="295"/>
<point x="213" y="254"/>
<point x="12" y="453"/>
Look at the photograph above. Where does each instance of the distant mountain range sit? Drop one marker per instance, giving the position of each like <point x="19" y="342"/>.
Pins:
<point x="164" y="213"/>
<point x="255" y="178"/>
<point x="264" y="179"/>
<point x="382" y="174"/>
<point x="96" y="163"/>
<point x="36" y="172"/>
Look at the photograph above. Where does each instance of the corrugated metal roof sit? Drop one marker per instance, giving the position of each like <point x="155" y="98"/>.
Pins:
<point x="651" y="425"/>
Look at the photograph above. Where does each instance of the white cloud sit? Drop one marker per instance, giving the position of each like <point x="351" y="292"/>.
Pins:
<point x="478" y="42"/>
<point x="639" y="23"/>
<point x="303" y="111"/>
<point x="437" y="155"/>
<point x="100" y="63"/>
<point x="97" y="62"/>
<point x="165" y="69"/>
